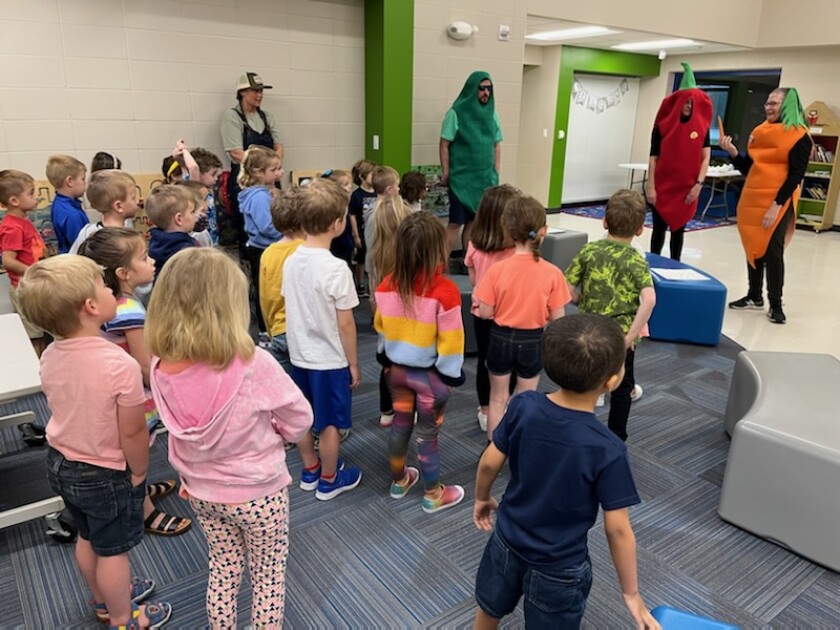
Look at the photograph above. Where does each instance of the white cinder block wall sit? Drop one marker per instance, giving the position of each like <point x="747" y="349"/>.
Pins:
<point x="441" y="65"/>
<point x="133" y="76"/>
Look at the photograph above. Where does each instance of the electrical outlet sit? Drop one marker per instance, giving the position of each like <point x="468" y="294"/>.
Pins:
<point x="504" y="32"/>
<point x="375" y="142"/>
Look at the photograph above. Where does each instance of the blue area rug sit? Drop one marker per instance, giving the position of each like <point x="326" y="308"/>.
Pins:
<point x="597" y="212"/>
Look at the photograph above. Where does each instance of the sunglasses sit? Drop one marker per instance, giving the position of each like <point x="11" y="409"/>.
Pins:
<point x="485" y="88"/>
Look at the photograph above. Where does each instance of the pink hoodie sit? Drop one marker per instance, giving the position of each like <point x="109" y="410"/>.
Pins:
<point x="227" y="427"/>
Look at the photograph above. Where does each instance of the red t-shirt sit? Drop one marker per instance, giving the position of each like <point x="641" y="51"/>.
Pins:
<point x="523" y="291"/>
<point x="20" y="236"/>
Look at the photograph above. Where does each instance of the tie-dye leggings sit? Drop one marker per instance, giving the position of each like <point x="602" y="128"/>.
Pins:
<point x="260" y="528"/>
<point x="420" y="390"/>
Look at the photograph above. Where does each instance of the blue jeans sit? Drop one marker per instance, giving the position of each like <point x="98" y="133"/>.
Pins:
<point x="555" y="596"/>
<point x="106" y="509"/>
<point x="279" y="349"/>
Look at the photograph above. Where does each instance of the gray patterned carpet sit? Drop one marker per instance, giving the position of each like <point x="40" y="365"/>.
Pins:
<point x="366" y="561"/>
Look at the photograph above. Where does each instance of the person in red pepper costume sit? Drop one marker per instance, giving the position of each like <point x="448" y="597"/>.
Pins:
<point x="679" y="157"/>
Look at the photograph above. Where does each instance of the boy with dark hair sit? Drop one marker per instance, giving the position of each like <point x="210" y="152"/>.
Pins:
<point x="539" y="546"/>
<point x="611" y="278"/>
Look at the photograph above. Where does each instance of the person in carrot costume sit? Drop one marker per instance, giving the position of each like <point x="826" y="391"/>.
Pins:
<point x="679" y="157"/>
<point x="776" y="159"/>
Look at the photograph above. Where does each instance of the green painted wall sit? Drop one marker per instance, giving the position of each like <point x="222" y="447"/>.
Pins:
<point x="389" y="68"/>
<point x="592" y="60"/>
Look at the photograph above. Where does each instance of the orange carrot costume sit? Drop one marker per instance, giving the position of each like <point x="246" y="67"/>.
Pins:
<point x="769" y="147"/>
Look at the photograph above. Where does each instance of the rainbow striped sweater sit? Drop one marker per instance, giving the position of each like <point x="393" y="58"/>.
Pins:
<point x="427" y="333"/>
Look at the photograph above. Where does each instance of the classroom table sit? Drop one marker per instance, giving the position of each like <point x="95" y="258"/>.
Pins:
<point x="633" y="167"/>
<point x="726" y="178"/>
<point x="20" y="376"/>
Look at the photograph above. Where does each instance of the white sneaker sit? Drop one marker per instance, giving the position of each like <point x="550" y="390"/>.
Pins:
<point x="482" y="420"/>
<point x="386" y="419"/>
<point x="600" y="402"/>
<point x="636" y="393"/>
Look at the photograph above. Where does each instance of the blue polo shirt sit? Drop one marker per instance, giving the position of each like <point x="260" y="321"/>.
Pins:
<point x="68" y="219"/>
<point x="564" y="464"/>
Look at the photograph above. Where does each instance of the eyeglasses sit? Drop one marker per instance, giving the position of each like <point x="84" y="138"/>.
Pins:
<point x="485" y="88"/>
<point x="772" y="104"/>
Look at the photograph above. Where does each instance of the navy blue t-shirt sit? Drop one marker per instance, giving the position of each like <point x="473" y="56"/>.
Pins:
<point x="563" y="465"/>
<point x="360" y="198"/>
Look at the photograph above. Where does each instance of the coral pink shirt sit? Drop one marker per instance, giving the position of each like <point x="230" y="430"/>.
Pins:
<point x="523" y="291"/>
<point x="85" y="379"/>
<point x="482" y="261"/>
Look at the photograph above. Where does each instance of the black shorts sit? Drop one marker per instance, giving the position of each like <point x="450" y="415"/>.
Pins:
<point x="459" y="214"/>
<point x="514" y="351"/>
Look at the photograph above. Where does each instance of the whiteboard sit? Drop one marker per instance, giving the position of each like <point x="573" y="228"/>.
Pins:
<point x="602" y="117"/>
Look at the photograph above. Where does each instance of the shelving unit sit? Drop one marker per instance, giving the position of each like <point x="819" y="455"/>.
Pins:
<point x="821" y="185"/>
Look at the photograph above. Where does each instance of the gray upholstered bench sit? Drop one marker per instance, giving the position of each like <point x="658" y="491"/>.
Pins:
<point x="560" y="246"/>
<point x="782" y="479"/>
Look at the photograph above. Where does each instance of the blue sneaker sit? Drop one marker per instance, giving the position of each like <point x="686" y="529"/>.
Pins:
<point x="309" y="479"/>
<point x="345" y="479"/>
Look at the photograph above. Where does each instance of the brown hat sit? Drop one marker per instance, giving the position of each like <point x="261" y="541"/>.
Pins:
<point x="251" y="81"/>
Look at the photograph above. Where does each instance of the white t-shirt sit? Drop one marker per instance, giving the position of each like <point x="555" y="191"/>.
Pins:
<point x="316" y="284"/>
<point x="89" y="230"/>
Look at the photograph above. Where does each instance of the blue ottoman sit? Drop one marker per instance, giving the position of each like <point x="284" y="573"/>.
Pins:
<point x="674" y="619"/>
<point x="690" y="311"/>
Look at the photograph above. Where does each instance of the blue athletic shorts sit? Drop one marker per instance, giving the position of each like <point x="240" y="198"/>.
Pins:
<point x="459" y="214"/>
<point x="328" y="391"/>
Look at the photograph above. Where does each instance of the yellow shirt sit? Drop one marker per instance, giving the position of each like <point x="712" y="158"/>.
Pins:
<point x="272" y="303"/>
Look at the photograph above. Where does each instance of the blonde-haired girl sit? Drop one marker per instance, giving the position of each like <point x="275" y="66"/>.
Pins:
<point x="521" y="294"/>
<point x="421" y="345"/>
<point x="229" y="408"/>
<point x="261" y="169"/>
<point x="387" y="215"/>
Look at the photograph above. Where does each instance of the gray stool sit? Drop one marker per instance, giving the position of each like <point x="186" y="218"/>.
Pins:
<point x="466" y="288"/>
<point x="784" y="461"/>
<point x="560" y="248"/>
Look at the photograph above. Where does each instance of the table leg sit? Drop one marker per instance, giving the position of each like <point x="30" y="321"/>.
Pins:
<point x="709" y="202"/>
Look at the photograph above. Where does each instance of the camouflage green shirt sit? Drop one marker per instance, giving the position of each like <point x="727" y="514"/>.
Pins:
<point x="610" y="276"/>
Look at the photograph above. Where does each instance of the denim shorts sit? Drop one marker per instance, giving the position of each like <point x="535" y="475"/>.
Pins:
<point x="459" y="214"/>
<point x="555" y="596"/>
<point x="279" y="349"/>
<point x="514" y="351"/>
<point x="106" y="509"/>
<point x="328" y="391"/>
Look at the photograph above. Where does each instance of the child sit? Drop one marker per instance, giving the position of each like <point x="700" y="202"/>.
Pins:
<point x="321" y="333"/>
<point x="123" y="256"/>
<point x="67" y="176"/>
<point x="104" y="160"/>
<point x="229" y="409"/>
<point x="286" y="219"/>
<point x="382" y="225"/>
<point x="113" y="194"/>
<point x="611" y="278"/>
<point x="200" y="232"/>
<point x="171" y="169"/>
<point x="521" y="295"/>
<point x="261" y="170"/>
<point x="21" y="246"/>
<point x="539" y="545"/>
<point x="343" y="246"/>
<point x="174" y="212"/>
<point x="209" y="168"/>
<point x="386" y="183"/>
<point x="98" y="442"/>
<point x="421" y="346"/>
<point x="413" y="189"/>
<point x="361" y="203"/>
<point x="488" y="244"/>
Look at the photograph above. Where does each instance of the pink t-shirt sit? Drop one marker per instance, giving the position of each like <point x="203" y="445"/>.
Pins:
<point x="481" y="262"/>
<point x="85" y="379"/>
<point x="523" y="291"/>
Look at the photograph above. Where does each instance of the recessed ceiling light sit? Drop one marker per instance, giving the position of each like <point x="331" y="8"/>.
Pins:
<point x="571" y="33"/>
<point x="658" y="45"/>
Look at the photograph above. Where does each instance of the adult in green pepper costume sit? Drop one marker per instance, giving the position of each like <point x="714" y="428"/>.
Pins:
<point x="470" y="151"/>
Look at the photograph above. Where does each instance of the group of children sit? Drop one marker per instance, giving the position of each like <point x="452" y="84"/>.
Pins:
<point x="231" y="407"/>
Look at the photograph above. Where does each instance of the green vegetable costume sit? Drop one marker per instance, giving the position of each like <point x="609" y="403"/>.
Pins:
<point x="472" y="167"/>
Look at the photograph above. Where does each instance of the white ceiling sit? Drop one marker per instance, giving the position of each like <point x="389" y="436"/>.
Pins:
<point x="537" y="24"/>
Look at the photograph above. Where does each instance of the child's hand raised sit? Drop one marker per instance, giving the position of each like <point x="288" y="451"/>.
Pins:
<point x="483" y="513"/>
